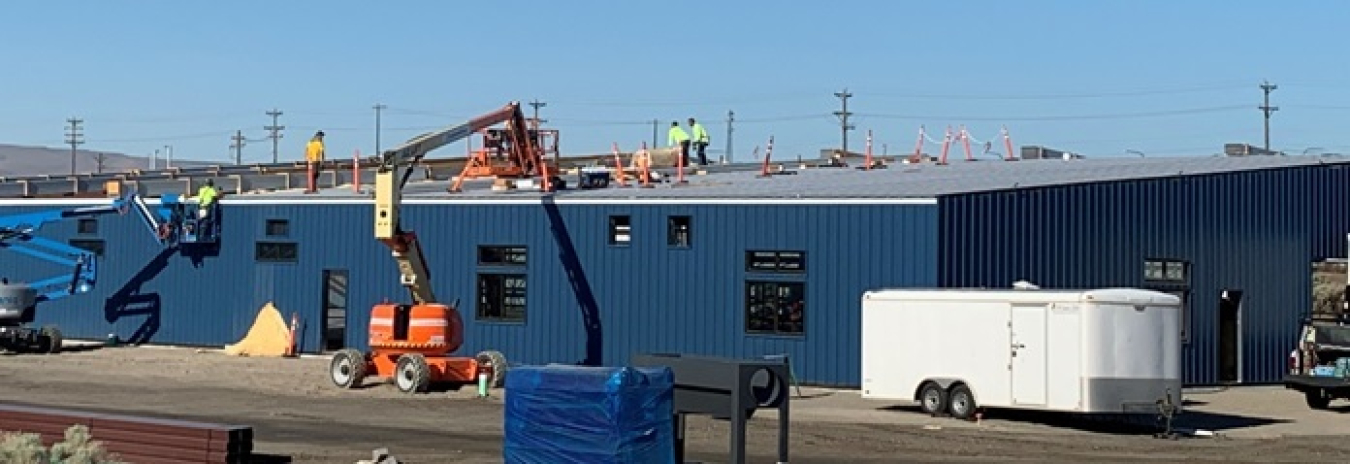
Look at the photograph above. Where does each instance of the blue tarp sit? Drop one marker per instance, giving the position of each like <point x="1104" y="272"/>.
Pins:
<point x="560" y="414"/>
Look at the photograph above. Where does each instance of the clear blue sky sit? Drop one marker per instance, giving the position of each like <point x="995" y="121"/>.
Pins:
<point x="1095" y="77"/>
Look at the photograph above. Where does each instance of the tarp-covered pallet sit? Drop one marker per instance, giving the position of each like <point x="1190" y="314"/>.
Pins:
<point x="561" y="414"/>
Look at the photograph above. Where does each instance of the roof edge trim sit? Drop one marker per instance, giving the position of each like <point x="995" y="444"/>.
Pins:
<point x="263" y="201"/>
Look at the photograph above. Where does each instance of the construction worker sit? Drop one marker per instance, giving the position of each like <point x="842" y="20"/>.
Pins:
<point x="206" y="198"/>
<point x="314" y="154"/>
<point x="678" y="137"/>
<point x="700" y="141"/>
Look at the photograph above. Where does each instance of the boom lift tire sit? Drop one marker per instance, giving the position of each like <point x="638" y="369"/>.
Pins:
<point x="49" y="340"/>
<point x="348" y="368"/>
<point x="498" y="362"/>
<point x="412" y="375"/>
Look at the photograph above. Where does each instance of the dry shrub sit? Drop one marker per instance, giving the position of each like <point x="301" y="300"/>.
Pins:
<point x="77" y="448"/>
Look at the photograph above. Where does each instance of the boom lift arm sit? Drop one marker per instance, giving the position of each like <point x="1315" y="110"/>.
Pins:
<point x="393" y="173"/>
<point x="18" y="233"/>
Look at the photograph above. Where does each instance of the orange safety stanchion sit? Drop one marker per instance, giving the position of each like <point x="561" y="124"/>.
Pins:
<point x="868" y="157"/>
<point x="1007" y="145"/>
<point x="965" y="142"/>
<point x="946" y="145"/>
<point x="646" y="162"/>
<point x="768" y="152"/>
<point x="618" y="164"/>
<point x="290" y="335"/>
<point x="356" y="171"/>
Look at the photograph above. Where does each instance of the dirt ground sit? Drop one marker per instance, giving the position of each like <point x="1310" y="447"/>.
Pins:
<point x="297" y="413"/>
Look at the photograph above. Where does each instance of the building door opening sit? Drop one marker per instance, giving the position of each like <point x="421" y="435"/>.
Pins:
<point x="334" y="309"/>
<point x="1230" y="336"/>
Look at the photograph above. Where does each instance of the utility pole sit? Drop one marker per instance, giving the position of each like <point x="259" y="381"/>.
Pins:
<point x="378" y="108"/>
<point x="74" y="138"/>
<point x="238" y="147"/>
<point x="98" y="160"/>
<point x="1267" y="88"/>
<point x="843" y="115"/>
<point x="731" y="119"/>
<point x="656" y="124"/>
<point x="537" y="104"/>
<point x="276" y="132"/>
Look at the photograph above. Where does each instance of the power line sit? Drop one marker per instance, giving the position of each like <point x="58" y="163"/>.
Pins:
<point x="75" y="139"/>
<point x="843" y="115"/>
<point x="1266" y="109"/>
<point x="1212" y="109"/>
<point x="275" y="132"/>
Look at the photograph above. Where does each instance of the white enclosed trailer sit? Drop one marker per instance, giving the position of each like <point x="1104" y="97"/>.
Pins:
<point x="1114" y="350"/>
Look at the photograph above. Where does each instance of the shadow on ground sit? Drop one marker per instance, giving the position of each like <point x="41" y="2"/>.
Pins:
<point x="1141" y="424"/>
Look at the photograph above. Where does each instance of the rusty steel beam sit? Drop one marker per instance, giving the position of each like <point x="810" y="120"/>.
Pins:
<point x="137" y="439"/>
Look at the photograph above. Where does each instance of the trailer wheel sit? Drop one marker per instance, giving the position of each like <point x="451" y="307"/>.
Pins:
<point x="932" y="399"/>
<point x="961" y="403"/>
<point x="1317" y="398"/>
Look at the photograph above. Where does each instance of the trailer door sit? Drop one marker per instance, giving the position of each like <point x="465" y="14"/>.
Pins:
<point x="1028" y="354"/>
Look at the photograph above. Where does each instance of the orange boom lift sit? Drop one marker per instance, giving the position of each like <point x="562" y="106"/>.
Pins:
<point x="413" y="342"/>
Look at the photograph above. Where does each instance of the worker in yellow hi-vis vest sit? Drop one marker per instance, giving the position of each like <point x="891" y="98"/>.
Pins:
<point x="314" y="155"/>
<point x="700" y="141"/>
<point x="678" y="137"/>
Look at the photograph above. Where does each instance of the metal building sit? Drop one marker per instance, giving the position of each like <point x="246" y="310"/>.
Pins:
<point x="733" y="264"/>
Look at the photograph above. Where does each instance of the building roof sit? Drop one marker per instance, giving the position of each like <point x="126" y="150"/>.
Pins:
<point x="897" y="181"/>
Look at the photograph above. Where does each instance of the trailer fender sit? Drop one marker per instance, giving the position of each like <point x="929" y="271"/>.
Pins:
<point x="944" y="382"/>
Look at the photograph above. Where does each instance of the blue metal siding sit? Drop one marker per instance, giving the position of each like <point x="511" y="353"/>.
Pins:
<point x="649" y="296"/>
<point x="1250" y="231"/>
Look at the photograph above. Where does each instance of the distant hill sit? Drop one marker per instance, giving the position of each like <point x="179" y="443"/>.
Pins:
<point x="16" y="160"/>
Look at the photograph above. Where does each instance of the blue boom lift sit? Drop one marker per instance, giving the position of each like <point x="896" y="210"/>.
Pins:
<point x="173" y="224"/>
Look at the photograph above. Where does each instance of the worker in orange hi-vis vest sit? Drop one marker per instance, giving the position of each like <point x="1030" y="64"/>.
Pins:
<point x="314" y="155"/>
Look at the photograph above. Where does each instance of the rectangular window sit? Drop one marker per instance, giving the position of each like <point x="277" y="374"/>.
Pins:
<point x="1165" y="270"/>
<point x="276" y="252"/>
<point x="620" y="230"/>
<point x="93" y="246"/>
<point x="776" y="308"/>
<point x="490" y="255"/>
<point x="278" y="228"/>
<point x="679" y="231"/>
<point x="87" y="226"/>
<point x="793" y="262"/>
<point x="501" y="297"/>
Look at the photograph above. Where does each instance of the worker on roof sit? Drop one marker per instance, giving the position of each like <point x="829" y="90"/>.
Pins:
<point x="206" y="198"/>
<point x="678" y="137"/>
<point x="314" y="153"/>
<point x="700" y="141"/>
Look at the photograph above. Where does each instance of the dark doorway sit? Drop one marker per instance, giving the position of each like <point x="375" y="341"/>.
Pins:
<point x="334" y="309"/>
<point x="1230" y="336"/>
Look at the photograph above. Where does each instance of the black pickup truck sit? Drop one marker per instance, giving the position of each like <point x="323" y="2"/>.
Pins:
<point x="1320" y="344"/>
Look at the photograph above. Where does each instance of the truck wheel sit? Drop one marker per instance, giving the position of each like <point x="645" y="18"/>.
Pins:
<point x="1317" y="399"/>
<point x="932" y="399"/>
<point x="961" y="403"/>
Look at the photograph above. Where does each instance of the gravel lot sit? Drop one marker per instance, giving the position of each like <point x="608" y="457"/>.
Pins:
<point x="297" y="413"/>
